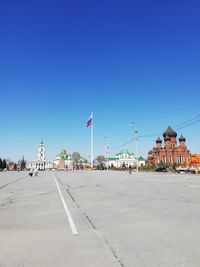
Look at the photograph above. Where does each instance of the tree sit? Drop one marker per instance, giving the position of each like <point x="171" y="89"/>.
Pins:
<point x="174" y="166"/>
<point x="23" y="164"/>
<point x="76" y="157"/>
<point x="162" y="164"/>
<point x="4" y="164"/>
<point x="1" y="164"/>
<point x="15" y="167"/>
<point x="100" y="160"/>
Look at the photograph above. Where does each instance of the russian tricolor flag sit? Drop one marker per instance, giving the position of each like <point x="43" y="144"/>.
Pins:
<point x="90" y="121"/>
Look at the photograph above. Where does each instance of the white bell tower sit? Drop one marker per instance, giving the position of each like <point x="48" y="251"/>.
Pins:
<point x="41" y="151"/>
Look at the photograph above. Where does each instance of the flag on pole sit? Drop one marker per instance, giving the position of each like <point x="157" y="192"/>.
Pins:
<point x="90" y="121"/>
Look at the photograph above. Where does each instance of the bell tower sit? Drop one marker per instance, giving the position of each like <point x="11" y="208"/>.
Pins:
<point x="41" y="151"/>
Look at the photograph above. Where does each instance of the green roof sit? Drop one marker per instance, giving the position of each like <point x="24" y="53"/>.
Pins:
<point x="141" y="158"/>
<point x="112" y="158"/>
<point x="124" y="151"/>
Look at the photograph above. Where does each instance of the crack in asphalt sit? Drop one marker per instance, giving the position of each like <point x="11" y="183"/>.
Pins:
<point x="59" y="180"/>
<point x="72" y="198"/>
<point x="9" y="201"/>
<point x="94" y="227"/>
<point x="113" y="252"/>
<point x="18" y="180"/>
<point x="90" y="221"/>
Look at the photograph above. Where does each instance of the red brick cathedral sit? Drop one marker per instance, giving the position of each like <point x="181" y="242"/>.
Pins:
<point x="170" y="153"/>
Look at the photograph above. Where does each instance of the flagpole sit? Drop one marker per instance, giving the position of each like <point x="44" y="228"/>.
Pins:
<point x="92" y="141"/>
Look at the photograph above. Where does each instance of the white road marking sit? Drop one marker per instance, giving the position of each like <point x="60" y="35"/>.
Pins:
<point x="71" y="222"/>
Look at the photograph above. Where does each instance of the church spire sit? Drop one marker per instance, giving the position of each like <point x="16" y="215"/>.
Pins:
<point x="41" y="151"/>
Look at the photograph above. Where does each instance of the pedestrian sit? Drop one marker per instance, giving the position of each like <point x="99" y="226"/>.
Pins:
<point x="31" y="173"/>
<point x="130" y="169"/>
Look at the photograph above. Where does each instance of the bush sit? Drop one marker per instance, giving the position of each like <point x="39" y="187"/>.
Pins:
<point x="148" y="167"/>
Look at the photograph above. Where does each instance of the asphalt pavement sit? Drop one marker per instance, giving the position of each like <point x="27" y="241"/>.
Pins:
<point x="99" y="219"/>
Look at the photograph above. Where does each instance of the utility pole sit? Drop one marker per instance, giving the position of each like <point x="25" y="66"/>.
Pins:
<point x="132" y="123"/>
<point x="106" y="152"/>
<point x="136" y="149"/>
<point x="92" y="141"/>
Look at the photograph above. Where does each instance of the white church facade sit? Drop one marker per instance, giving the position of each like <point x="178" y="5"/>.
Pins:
<point x="125" y="159"/>
<point x="41" y="163"/>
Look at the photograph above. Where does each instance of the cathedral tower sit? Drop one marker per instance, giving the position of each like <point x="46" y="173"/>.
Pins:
<point x="41" y="151"/>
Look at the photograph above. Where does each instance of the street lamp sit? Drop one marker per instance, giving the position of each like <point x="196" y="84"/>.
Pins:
<point x="132" y="123"/>
<point x="106" y="151"/>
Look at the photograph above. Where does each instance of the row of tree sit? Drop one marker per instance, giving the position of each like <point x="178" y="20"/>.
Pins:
<point x="76" y="158"/>
<point x="10" y="165"/>
<point x="3" y="164"/>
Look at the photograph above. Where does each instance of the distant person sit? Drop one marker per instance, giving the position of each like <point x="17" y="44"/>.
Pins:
<point x="130" y="169"/>
<point x="35" y="173"/>
<point x="31" y="173"/>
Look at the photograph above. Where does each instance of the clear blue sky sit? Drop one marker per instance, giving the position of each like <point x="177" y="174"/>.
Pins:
<point x="124" y="60"/>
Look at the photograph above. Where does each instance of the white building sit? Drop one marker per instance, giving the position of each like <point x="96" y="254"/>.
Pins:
<point x="125" y="159"/>
<point x="41" y="163"/>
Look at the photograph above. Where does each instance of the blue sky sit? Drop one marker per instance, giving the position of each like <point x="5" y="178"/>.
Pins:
<point x="124" y="60"/>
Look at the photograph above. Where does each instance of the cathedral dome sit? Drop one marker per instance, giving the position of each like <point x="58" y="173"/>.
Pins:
<point x="182" y="139"/>
<point x="158" y="140"/>
<point x="170" y="133"/>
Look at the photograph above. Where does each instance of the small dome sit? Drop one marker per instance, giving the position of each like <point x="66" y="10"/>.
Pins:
<point x="182" y="138"/>
<point x="170" y="132"/>
<point x="158" y="140"/>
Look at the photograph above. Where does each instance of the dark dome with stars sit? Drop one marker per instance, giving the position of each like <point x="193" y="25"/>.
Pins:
<point x="170" y="133"/>
<point x="158" y="140"/>
<point x="182" y="138"/>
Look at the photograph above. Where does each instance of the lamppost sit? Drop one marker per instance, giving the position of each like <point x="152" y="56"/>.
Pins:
<point x="89" y="157"/>
<point x="106" y="151"/>
<point x="132" y="123"/>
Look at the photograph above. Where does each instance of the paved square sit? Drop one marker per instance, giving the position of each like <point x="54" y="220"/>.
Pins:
<point x="142" y="219"/>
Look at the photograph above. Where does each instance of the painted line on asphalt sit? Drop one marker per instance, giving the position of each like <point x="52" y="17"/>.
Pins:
<point x="71" y="222"/>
